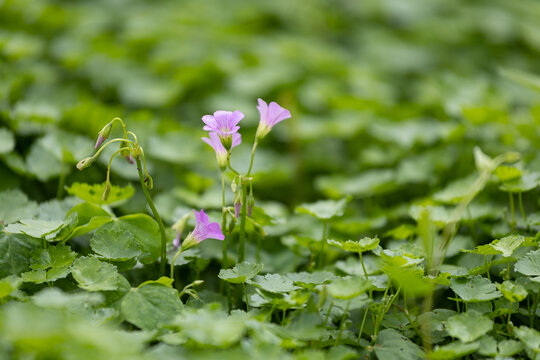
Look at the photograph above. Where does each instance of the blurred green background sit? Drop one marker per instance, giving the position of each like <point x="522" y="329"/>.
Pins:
<point x="388" y="97"/>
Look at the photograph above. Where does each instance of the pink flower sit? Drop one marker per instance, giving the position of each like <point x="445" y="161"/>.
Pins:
<point x="221" y="153"/>
<point x="204" y="229"/>
<point x="270" y="116"/>
<point x="224" y="124"/>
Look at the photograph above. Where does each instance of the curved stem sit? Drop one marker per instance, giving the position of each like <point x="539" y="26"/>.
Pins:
<point x="342" y="321"/>
<point x="243" y="215"/>
<point x="173" y="261"/>
<point x="156" y="215"/>
<point x="229" y="165"/>
<point x="255" y="143"/>
<point x="110" y="142"/>
<point x="363" y="266"/>
<point x="123" y="125"/>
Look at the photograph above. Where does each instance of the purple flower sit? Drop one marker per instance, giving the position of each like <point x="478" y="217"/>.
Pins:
<point x="270" y="116"/>
<point x="176" y="240"/>
<point x="221" y="153"/>
<point x="224" y="123"/>
<point x="204" y="229"/>
<point x="237" y="208"/>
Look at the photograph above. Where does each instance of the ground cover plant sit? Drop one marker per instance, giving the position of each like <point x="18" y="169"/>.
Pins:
<point x="341" y="180"/>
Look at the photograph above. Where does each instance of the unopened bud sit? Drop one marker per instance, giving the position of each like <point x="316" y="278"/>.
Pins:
<point x="237" y="203"/>
<point x="86" y="162"/>
<point x="250" y="204"/>
<point x="103" y="134"/>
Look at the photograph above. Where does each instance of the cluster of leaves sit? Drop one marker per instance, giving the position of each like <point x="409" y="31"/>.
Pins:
<point x="420" y="246"/>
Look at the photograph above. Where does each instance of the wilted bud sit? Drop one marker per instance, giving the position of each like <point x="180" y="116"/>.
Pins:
<point x="250" y="204"/>
<point x="126" y="153"/>
<point x="86" y="162"/>
<point x="107" y="191"/>
<point x="103" y="134"/>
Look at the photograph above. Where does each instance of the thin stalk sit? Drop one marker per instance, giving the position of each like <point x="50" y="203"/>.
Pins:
<point x="342" y="321"/>
<point x="363" y="323"/>
<point x="229" y="164"/>
<point x="61" y="181"/>
<point x="173" y="262"/>
<point x="385" y="310"/>
<point x="246" y="296"/>
<point x="156" y="216"/>
<point x="363" y="266"/>
<point x="110" y="142"/>
<point x="512" y="211"/>
<point x="255" y="143"/>
<point x="322" y="257"/>
<point x="223" y="222"/>
<point x="328" y="313"/>
<point x="522" y="210"/>
<point x="487" y="267"/>
<point x="243" y="215"/>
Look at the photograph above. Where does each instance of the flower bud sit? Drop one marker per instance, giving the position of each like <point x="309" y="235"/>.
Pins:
<point x="86" y="162"/>
<point x="237" y="202"/>
<point x="103" y="134"/>
<point x="250" y="204"/>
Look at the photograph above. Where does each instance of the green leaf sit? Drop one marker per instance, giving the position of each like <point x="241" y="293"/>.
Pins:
<point x="240" y="273"/>
<point x="50" y="264"/>
<point x="433" y="324"/>
<point x="524" y="183"/>
<point x="468" y="326"/>
<point x="512" y="292"/>
<point x="274" y="283"/>
<point x="456" y="191"/>
<point x="93" y="193"/>
<point x="454" y="350"/>
<point x="309" y="280"/>
<point x="529" y="337"/>
<point x="506" y="173"/>
<point x="151" y="305"/>
<point x="16" y="206"/>
<point x="475" y="288"/>
<point x="392" y="345"/>
<point x="146" y="237"/>
<point x="508" y="244"/>
<point x="37" y="228"/>
<point x="94" y="275"/>
<point x="8" y="285"/>
<point x="324" y="209"/>
<point x="349" y="288"/>
<point x="210" y="327"/>
<point x="89" y="218"/>
<point x="7" y="141"/>
<point x="360" y="246"/>
<point x="529" y="264"/>
<point x="114" y="244"/>
<point x="16" y="252"/>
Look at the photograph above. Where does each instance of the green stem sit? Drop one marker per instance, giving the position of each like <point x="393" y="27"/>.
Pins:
<point x="363" y="323"/>
<point x="61" y="181"/>
<point x="110" y="142"/>
<point x="342" y="321"/>
<point x="320" y="263"/>
<point x="243" y="215"/>
<point x="384" y="311"/>
<point x="174" y="261"/>
<point x="363" y="266"/>
<point x="328" y="313"/>
<point x="522" y="209"/>
<point x="255" y="143"/>
<point x="512" y="211"/>
<point x="246" y="296"/>
<point x="487" y="267"/>
<point x="223" y="222"/>
<point x="156" y="216"/>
